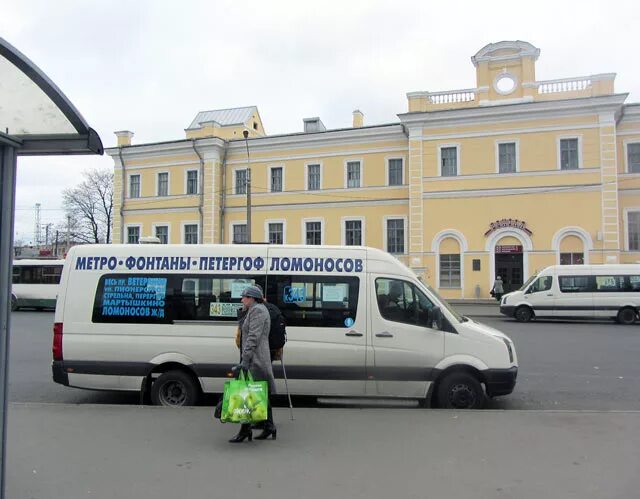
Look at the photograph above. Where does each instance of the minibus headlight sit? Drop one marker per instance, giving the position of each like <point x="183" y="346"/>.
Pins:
<point x="509" y="348"/>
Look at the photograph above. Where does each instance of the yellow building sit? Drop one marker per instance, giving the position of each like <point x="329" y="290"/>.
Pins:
<point x="506" y="177"/>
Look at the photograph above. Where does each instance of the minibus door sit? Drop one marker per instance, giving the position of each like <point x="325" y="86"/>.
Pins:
<point x="405" y="348"/>
<point x="540" y="295"/>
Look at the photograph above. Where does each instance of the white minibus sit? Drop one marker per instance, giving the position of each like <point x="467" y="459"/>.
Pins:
<point x="578" y="292"/>
<point x="161" y="319"/>
<point x="35" y="283"/>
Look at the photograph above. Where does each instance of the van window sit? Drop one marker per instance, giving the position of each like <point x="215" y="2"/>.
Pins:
<point x="575" y="284"/>
<point x="137" y="298"/>
<point x="36" y="274"/>
<point x="541" y="284"/>
<point x="210" y="298"/>
<point x="609" y="283"/>
<point x="315" y="301"/>
<point x="402" y="301"/>
<point x="634" y="283"/>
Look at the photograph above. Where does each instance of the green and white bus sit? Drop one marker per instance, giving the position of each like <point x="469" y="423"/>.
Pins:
<point x="35" y="283"/>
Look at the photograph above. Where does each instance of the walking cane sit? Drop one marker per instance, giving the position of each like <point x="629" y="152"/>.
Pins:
<point x="286" y="384"/>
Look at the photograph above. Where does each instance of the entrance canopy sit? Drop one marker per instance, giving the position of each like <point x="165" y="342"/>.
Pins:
<point x="35" y="116"/>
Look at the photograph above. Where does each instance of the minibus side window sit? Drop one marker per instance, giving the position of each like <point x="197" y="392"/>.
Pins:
<point x="315" y="301"/>
<point x="576" y="284"/>
<point x="609" y="283"/>
<point x="634" y="283"/>
<point x="211" y="297"/>
<point x="401" y="301"/>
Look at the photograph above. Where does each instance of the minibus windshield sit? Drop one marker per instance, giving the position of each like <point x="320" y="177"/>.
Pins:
<point x="529" y="281"/>
<point x="445" y="304"/>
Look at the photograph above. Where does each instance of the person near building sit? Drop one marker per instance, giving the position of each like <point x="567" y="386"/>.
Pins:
<point x="498" y="288"/>
<point x="255" y="355"/>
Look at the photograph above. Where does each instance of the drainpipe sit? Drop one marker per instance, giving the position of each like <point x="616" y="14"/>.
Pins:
<point x="201" y="187"/>
<point x="123" y="190"/>
<point x="223" y="190"/>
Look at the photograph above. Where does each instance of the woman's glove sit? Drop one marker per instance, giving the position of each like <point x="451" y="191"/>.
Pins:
<point x="239" y="367"/>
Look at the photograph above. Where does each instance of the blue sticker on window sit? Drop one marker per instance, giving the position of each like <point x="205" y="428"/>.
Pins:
<point x="294" y="294"/>
<point x="348" y="322"/>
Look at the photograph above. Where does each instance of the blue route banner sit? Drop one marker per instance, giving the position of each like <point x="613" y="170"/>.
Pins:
<point x="143" y="297"/>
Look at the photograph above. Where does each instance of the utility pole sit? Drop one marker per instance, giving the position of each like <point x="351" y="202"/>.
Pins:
<point x="56" y="250"/>
<point x="37" y="229"/>
<point x="68" y="233"/>
<point x="246" y="142"/>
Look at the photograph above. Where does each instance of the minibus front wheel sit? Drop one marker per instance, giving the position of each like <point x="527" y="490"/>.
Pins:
<point x="174" y="389"/>
<point x="523" y="314"/>
<point x="460" y="390"/>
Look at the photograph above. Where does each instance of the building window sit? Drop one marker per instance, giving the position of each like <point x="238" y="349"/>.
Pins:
<point x="163" y="184"/>
<point x="162" y="233"/>
<point x="313" y="233"/>
<point x="240" y="234"/>
<point x="133" y="235"/>
<point x="571" y="258"/>
<point x="449" y="271"/>
<point x="313" y="177"/>
<point x="134" y="186"/>
<point x="448" y="161"/>
<point x="353" y="174"/>
<point x="395" y="236"/>
<point x="192" y="182"/>
<point x="241" y="181"/>
<point x="507" y="157"/>
<point x="633" y="221"/>
<point x="569" y="154"/>
<point x="276" y="233"/>
<point x="353" y="232"/>
<point x="191" y="234"/>
<point x="633" y="158"/>
<point x="276" y="179"/>
<point x="395" y="172"/>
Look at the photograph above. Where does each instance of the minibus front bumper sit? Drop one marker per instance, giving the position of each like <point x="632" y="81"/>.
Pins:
<point x="507" y="310"/>
<point x="500" y="381"/>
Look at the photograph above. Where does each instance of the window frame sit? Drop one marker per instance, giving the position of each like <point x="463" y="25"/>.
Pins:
<point x="304" y="229"/>
<point x="158" y="184"/>
<point x="232" y="226"/>
<point x="274" y="221"/>
<point x="126" y="230"/>
<point x="458" y="159"/>
<point x="346" y="172"/>
<point x="306" y="175"/>
<point x="387" y="162"/>
<point x="183" y="227"/>
<point x="385" y="241"/>
<point x="155" y="225"/>
<point x="235" y="182"/>
<point x="559" y="140"/>
<point x="627" y="143"/>
<point x="270" y="168"/>
<point x="343" y="229"/>
<point x="186" y="182"/>
<point x="130" y="175"/>
<point x="415" y="289"/>
<point x="627" y="245"/>
<point x="591" y="280"/>
<point x="500" y="142"/>
<point x="460" y="261"/>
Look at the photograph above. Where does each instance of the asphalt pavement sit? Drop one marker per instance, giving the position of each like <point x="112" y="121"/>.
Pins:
<point x="68" y="451"/>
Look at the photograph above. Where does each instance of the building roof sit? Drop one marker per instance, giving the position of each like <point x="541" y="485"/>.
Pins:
<point x="224" y="117"/>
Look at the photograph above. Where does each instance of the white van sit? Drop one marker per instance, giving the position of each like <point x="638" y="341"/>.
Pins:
<point x="162" y="319"/>
<point x="34" y="283"/>
<point x="578" y="292"/>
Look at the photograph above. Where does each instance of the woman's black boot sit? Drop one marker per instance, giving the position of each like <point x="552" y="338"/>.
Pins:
<point x="270" y="430"/>
<point x="245" y="432"/>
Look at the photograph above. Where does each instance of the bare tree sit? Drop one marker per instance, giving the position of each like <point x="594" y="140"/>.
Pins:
<point x="90" y="206"/>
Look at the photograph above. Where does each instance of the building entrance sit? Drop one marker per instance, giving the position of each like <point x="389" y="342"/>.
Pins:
<point x="509" y="266"/>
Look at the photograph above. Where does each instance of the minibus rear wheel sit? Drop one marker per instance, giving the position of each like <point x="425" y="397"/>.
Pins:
<point x="627" y="316"/>
<point x="523" y="314"/>
<point x="174" y="389"/>
<point x="460" y="390"/>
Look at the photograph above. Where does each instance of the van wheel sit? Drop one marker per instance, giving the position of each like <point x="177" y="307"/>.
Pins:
<point x="523" y="314"/>
<point x="460" y="391"/>
<point x="626" y="316"/>
<point x="174" y="389"/>
<point x="14" y="303"/>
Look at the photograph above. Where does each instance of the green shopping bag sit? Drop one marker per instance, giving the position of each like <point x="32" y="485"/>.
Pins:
<point x="244" y="400"/>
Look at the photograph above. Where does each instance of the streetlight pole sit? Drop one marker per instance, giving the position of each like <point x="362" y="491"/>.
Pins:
<point x="248" y="186"/>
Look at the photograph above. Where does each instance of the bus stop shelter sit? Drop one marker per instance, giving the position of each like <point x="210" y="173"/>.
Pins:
<point x="36" y="119"/>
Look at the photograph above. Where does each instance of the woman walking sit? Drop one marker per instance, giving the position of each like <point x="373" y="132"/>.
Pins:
<point x="256" y="356"/>
<point x="498" y="288"/>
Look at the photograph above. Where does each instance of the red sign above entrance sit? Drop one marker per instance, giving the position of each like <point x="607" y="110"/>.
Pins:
<point x="508" y="222"/>
<point x="509" y="248"/>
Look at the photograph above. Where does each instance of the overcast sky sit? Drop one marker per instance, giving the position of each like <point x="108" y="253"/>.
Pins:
<point x="150" y="66"/>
